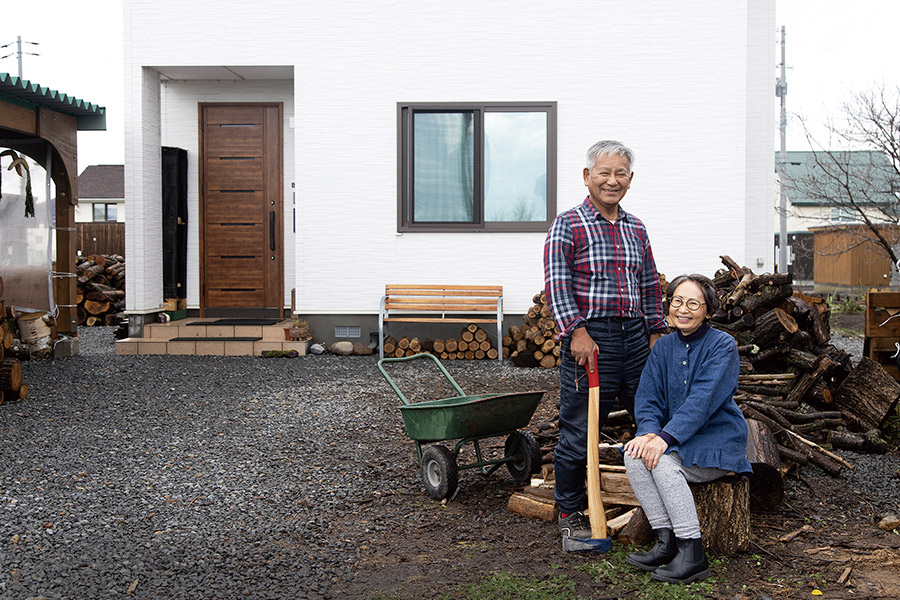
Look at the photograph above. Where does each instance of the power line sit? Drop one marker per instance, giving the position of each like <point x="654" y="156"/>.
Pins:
<point x="19" y="51"/>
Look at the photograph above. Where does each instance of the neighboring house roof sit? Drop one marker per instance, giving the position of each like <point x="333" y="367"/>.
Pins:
<point x="19" y="91"/>
<point x="874" y="180"/>
<point x="102" y="181"/>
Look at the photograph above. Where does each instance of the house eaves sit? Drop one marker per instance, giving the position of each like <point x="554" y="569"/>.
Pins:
<point x="89" y="116"/>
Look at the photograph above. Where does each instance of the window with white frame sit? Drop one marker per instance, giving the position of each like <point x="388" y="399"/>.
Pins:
<point x="105" y="211"/>
<point x="477" y="167"/>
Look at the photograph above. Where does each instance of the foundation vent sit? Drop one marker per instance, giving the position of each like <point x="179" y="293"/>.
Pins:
<point x="346" y="331"/>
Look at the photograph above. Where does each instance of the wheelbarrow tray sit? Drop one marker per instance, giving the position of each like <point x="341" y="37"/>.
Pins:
<point x="469" y="416"/>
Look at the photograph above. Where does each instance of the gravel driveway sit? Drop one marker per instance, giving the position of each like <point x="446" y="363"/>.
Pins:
<point x="187" y="477"/>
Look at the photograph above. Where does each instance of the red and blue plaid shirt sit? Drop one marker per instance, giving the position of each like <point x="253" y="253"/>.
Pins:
<point x="594" y="268"/>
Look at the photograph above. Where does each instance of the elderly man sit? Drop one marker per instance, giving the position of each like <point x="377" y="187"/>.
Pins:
<point x="602" y="285"/>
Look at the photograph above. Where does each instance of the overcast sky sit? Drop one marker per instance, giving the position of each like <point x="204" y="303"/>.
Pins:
<point x="834" y="49"/>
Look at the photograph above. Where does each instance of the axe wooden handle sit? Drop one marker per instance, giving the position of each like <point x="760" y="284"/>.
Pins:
<point x="597" y="513"/>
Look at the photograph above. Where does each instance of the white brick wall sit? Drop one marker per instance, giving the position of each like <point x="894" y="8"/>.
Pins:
<point x="688" y="86"/>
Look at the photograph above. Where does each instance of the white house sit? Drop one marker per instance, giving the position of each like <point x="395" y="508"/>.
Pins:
<point x="419" y="141"/>
<point x="101" y="194"/>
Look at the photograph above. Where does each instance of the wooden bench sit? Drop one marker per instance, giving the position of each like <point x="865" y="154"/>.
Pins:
<point x="422" y="303"/>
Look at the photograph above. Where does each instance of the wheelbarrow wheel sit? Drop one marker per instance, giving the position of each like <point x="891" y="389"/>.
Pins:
<point x="522" y="446"/>
<point x="439" y="472"/>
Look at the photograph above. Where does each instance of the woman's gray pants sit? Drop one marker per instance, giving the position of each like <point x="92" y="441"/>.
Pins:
<point x="664" y="493"/>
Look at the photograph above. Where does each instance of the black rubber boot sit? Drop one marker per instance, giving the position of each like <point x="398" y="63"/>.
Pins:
<point x="689" y="564"/>
<point x="660" y="554"/>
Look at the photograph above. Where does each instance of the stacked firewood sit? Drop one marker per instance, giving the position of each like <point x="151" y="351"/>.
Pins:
<point x="101" y="289"/>
<point x="473" y="343"/>
<point x="11" y="386"/>
<point x="534" y="344"/>
<point x="805" y="391"/>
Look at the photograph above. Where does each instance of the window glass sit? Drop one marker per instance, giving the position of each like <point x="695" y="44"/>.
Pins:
<point x="111" y="212"/>
<point x="99" y="211"/>
<point x="443" y="167"/>
<point x="515" y="171"/>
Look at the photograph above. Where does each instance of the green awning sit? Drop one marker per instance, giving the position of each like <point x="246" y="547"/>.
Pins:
<point x="22" y="92"/>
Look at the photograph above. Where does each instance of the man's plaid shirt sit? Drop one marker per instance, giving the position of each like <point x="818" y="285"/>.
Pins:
<point x="594" y="268"/>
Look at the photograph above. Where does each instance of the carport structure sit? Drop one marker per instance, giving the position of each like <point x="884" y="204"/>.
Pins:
<point x="42" y="124"/>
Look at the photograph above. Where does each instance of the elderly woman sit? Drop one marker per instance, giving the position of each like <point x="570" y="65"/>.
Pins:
<point x="689" y="429"/>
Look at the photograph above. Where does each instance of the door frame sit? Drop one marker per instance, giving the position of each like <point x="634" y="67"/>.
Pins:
<point x="273" y="176"/>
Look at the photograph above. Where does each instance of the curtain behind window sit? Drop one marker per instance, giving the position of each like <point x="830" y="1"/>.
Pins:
<point x="443" y="167"/>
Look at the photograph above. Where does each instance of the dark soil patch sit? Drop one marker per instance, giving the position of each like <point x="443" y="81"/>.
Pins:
<point x="849" y="323"/>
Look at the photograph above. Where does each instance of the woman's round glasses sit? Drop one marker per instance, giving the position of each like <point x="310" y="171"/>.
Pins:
<point x="691" y="304"/>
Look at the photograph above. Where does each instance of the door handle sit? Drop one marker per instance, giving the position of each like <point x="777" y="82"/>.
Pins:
<point x="272" y="230"/>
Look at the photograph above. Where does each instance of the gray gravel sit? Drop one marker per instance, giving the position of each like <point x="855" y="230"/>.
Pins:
<point x="188" y="477"/>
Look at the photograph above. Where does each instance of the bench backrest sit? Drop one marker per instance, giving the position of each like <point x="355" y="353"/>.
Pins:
<point x="442" y="298"/>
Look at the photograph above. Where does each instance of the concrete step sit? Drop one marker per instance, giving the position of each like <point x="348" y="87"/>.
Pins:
<point x="203" y="338"/>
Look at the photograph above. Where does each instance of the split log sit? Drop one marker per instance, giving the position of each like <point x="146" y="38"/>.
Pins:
<point x="766" y="483"/>
<point x="637" y="531"/>
<point x="867" y="396"/>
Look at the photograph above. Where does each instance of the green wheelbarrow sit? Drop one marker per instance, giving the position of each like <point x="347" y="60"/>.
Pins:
<point x="467" y="419"/>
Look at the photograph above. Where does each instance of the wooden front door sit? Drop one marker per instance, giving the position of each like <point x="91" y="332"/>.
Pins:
<point x="241" y="232"/>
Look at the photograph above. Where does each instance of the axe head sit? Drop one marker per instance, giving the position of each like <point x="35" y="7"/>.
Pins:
<point x="571" y="544"/>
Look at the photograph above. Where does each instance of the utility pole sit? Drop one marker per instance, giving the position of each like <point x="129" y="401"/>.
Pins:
<point x="781" y="92"/>
<point x="19" y="52"/>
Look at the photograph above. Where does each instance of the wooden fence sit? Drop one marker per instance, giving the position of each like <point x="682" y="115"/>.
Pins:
<point x="104" y="237"/>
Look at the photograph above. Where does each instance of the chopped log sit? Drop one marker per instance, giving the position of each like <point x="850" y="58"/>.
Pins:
<point x="766" y="483"/>
<point x="771" y="326"/>
<point x="403" y="343"/>
<point x="616" y="524"/>
<point x="867" y="396"/>
<point x="800" y="359"/>
<point x="765" y="390"/>
<point x="471" y="328"/>
<point x="737" y="271"/>
<point x="390" y="345"/>
<point x="823" y="365"/>
<point x="492" y="353"/>
<point x="723" y="508"/>
<point x="818" y="327"/>
<point x="480" y="335"/>
<point x="765" y="296"/>
<point x="637" y="531"/>
<point x="532" y="506"/>
<point x="415" y="345"/>
<point x="845" y="440"/>
<point x="10" y="374"/>
<point x="771" y="279"/>
<point x="451" y="345"/>
<point x="467" y="336"/>
<point x="439" y="347"/>
<point x="548" y="361"/>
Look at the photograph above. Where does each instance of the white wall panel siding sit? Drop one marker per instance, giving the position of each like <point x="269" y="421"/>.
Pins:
<point x="689" y="86"/>
<point x="143" y="189"/>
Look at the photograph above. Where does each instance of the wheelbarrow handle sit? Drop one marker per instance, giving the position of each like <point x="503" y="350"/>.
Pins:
<point x="393" y="385"/>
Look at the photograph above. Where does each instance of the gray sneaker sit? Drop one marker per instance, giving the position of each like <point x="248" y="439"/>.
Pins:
<point x="575" y="525"/>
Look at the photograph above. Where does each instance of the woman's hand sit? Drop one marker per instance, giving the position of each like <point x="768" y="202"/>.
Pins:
<point x="648" y="447"/>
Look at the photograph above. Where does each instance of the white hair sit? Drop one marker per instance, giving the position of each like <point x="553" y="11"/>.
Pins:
<point x="606" y="147"/>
